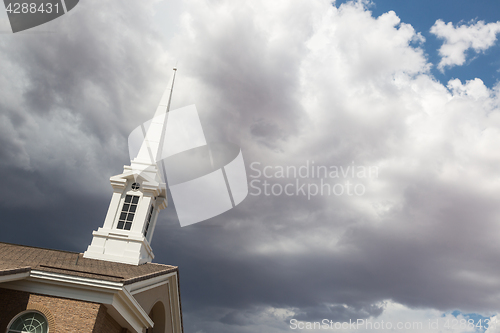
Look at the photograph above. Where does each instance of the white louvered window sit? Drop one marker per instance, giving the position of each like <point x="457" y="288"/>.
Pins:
<point x="148" y="220"/>
<point x="128" y="212"/>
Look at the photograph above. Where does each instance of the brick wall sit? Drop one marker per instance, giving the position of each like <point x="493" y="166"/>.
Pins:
<point x="64" y="315"/>
<point x="105" y="323"/>
<point x="11" y="303"/>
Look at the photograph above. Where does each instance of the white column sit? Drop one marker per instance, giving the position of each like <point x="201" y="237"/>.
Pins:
<point x="114" y="208"/>
<point x="141" y="214"/>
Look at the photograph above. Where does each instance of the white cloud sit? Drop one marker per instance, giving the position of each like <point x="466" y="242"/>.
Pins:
<point x="395" y="318"/>
<point x="457" y="40"/>
<point x="306" y="81"/>
<point x="495" y="325"/>
<point x="62" y="103"/>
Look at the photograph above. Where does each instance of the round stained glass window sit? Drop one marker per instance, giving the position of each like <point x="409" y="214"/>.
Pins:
<point x="135" y="186"/>
<point x="29" y="322"/>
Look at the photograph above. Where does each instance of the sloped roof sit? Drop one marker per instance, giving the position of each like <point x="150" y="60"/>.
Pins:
<point x="20" y="258"/>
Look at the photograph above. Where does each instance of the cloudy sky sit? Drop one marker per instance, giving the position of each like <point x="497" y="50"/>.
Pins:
<point x="405" y="89"/>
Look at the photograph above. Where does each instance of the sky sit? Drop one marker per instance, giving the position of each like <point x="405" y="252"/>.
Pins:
<point x="398" y="100"/>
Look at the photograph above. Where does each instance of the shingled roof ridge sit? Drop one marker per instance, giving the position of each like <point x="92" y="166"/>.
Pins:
<point x="10" y="271"/>
<point x="151" y="275"/>
<point x="40" y="248"/>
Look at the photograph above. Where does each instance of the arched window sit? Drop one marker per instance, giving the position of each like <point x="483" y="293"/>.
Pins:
<point x="29" y="322"/>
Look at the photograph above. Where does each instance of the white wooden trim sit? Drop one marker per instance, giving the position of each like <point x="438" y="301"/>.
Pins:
<point x="120" y="303"/>
<point x="140" y="286"/>
<point x="14" y="277"/>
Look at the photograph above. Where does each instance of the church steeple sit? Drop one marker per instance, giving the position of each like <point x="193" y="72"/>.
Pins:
<point x="139" y="193"/>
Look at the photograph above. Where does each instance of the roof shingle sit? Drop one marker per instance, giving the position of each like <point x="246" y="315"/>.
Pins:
<point x="20" y="258"/>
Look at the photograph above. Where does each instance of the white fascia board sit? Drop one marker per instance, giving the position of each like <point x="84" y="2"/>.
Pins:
<point x="126" y="306"/>
<point x="14" y="277"/>
<point x="67" y="286"/>
<point x="60" y="289"/>
<point x="176" y="305"/>
<point x="140" y="286"/>
<point x="131" y="311"/>
<point x="86" y="283"/>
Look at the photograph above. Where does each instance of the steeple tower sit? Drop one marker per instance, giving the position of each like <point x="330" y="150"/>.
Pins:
<point x="139" y="193"/>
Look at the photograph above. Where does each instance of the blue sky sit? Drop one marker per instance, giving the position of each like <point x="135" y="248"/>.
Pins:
<point x="423" y="14"/>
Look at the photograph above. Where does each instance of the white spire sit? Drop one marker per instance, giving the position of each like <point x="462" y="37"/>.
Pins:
<point x="152" y="145"/>
<point x="164" y="105"/>
<point x="139" y="194"/>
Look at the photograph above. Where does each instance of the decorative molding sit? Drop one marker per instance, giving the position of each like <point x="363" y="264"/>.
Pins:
<point x="144" y="285"/>
<point x="15" y="274"/>
<point x="133" y="308"/>
<point x="76" y="280"/>
<point x="121" y="246"/>
<point x="175" y="297"/>
<point x="46" y="312"/>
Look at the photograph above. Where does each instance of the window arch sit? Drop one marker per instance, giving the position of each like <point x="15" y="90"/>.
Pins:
<point x="157" y="315"/>
<point x="29" y="322"/>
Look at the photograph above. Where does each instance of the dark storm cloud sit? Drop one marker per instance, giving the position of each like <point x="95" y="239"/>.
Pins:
<point x="88" y="66"/>
<point x="256" y="81"/>
<point x="69" y="95"/>
<point x="358" y="92"/>
<point x="71" y="92"/>
<point x="57" y="220"/>
<point x="432" y="263"/>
